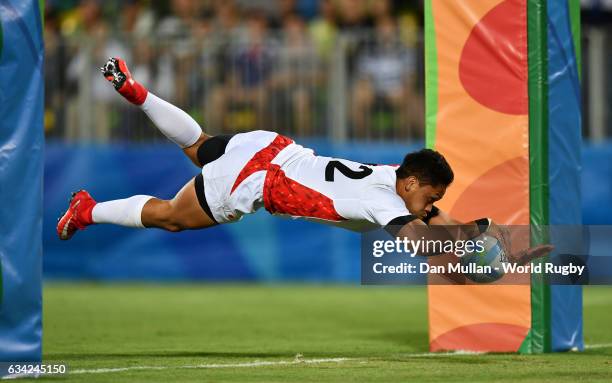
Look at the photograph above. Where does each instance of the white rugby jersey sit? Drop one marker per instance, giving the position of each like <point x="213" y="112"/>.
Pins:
<point x="266" y="169"/>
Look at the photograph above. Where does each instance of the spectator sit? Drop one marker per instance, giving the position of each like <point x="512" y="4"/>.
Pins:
<point x="215" y="52"/>
<point x="227" y="19"/>
<point x="380" y="9"/>
<point x="227" y="29"/>
<point x="307" y="9"/>
<point x="136" y="21"/>
<point x="249" y="67"/>
<point x="323" y="29"/>
<point x="55" y="77"/>
<point x="89" y="109"/>
<point x="386" y="73"/>
<point x="275" y="11"/>
<point x="177" y="53"/>
<point x="353" y="15"/>
<point x="178" y="24"/>
<point x="285" y="9"/>
<point x="354" y="25"/>
<point x="296" y="77"/>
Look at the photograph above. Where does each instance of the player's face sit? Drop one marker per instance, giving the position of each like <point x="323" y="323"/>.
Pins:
<point x="419" y="198"/>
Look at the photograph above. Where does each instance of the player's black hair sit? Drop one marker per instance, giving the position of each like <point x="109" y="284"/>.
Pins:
<point x="428" y="166"/>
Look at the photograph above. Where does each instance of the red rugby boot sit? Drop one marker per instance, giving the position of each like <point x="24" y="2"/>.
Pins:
<point x="116" y="71"/>
<point x="78" y="215"/>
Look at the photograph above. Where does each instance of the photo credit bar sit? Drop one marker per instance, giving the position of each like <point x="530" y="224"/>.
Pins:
<point x="581" y="255"/>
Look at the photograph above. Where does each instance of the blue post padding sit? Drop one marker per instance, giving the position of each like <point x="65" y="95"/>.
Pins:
<point x="597" y="184"/>
<point x="564" y="166"/>
<point x="21" y="169"/>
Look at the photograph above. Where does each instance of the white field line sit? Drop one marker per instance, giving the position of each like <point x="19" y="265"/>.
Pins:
<point x="449" y="353"/>
<point x="596" y="346"/>
<point x="256" y="363"/>
<point x="299" y="360"/>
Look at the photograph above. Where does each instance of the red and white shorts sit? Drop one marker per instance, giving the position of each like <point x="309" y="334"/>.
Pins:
<point x="234" y="183"/>
<point x="257" y="169"/>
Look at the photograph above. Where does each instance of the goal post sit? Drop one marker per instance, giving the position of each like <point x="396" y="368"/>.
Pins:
<point x="503" y="106"/>
<point x="21" y="175"/>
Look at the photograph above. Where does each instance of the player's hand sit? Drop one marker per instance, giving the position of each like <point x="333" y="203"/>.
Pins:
<point x="525" y="256"/>
<point x="502" y="234"/>
<point x="521" y="257"/>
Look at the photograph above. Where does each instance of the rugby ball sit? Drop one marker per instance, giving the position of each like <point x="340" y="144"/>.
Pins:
<point x="484" y="266"/>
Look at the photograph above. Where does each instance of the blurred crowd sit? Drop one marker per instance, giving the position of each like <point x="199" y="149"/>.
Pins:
<point x="301" y="67"/>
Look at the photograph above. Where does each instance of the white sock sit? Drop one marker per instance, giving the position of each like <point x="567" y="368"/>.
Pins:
<point x="173" y="122"/>
<point x="124" y="212"/>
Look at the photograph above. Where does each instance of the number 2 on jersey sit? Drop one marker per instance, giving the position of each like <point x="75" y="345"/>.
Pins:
<point x="346" y="171"/>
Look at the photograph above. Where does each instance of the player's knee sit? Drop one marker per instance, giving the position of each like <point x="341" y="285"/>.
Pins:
<point x="168" y="219"/>
<point x="173" y="223"/>
<point x="174" y="228"/>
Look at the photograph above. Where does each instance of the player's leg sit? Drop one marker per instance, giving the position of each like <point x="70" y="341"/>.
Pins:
<point x="178" y="126"/>
<point x="187" y="210"/>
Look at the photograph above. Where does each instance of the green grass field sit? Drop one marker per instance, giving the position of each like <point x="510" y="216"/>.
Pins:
<point x="254" y="333"/>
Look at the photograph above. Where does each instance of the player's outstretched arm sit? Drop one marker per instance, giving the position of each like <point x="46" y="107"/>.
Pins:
<point x="443" y="227"/>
